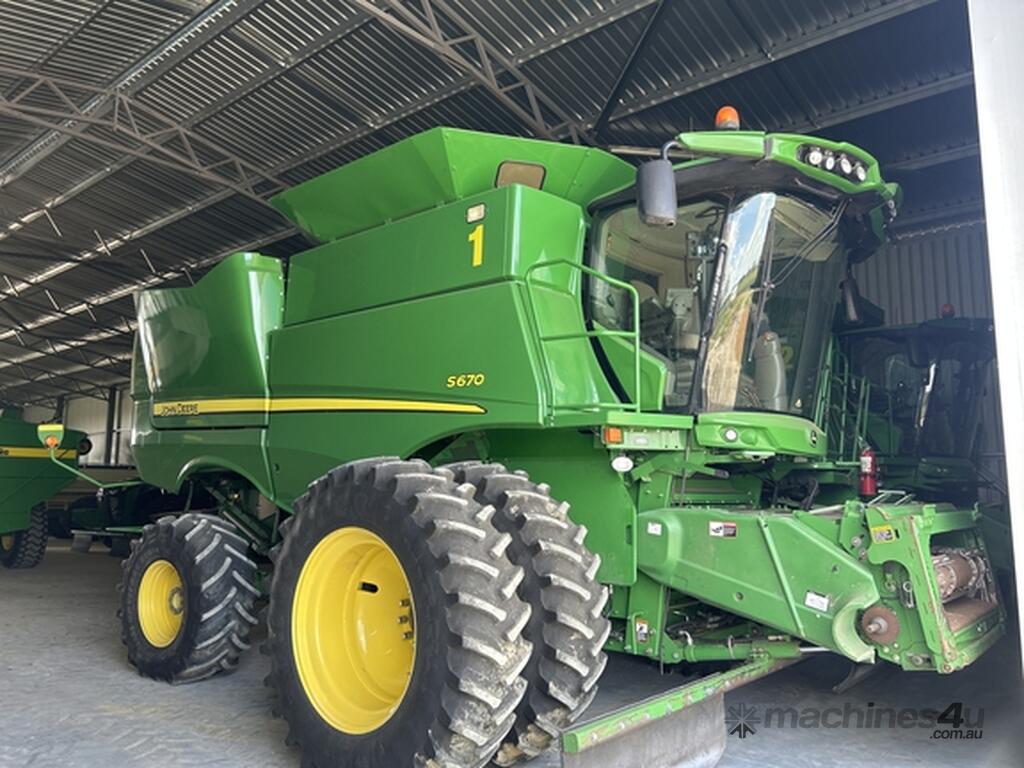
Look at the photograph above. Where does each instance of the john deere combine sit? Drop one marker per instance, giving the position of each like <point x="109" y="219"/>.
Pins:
<point x="915" y="393"/>
<point x="27" y="479"/>
<point x="523" y="407"/>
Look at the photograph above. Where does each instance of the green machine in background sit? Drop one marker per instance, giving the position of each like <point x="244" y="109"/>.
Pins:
<point x="915" y="393"/>
<point x="525" y="406"/>
<point x="924" y="386"/>
<point x="117" y="505"/>
<point x="27" y="479"/>
<point x="116" y="515"/>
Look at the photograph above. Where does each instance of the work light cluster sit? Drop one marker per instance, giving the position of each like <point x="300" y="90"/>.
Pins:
<point x="838" y="163"/>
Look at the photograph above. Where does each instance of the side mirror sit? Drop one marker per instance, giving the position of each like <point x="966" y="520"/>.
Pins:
<point x="656" y="191"/>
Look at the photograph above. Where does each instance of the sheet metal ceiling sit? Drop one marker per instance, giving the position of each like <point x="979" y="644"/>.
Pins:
<point x="272" y="92"/>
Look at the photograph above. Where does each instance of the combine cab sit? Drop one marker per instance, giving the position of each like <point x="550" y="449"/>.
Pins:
<point x="519" y="410"/>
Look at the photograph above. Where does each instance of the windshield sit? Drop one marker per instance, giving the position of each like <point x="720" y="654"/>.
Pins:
<point x="741" y="296"/>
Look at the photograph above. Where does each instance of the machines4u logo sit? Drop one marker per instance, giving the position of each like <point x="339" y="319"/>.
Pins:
<point x="953" y="722"/>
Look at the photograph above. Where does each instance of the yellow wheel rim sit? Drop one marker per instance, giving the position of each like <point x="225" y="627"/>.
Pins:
<point x="161" y="603"/>
<point x="7" y="542"/>
<point x="352" y="630"/>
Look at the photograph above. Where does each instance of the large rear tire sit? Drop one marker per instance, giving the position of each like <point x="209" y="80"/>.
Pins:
<point x="395" y="630"/>
<point x="567" y="627"/>
<point x="187" y="598"/>
<point x="25" y="549"/>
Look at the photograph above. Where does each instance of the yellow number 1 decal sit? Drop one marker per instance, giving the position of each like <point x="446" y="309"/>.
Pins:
<point x="476" y="237"/>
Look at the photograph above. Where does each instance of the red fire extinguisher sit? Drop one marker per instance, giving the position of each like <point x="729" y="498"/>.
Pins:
<point x="868" y="473"/>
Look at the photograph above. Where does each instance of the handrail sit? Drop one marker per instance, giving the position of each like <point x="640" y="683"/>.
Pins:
<point x="91" y="480"/>
<point x="633" y="334"/>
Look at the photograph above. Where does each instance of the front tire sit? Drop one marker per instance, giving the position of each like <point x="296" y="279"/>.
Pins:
<point x="187" y="598"/>
<point x="25" y="549"/>
<point x="395" y="630"/>
<point x="567" y="626"/>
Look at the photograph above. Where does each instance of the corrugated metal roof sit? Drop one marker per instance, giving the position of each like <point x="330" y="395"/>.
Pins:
<point x="297" y="87"/>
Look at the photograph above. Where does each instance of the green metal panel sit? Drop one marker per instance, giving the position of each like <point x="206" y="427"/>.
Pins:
<point x="756" y="432"/>
<point x="577" y="473"/>
<point x="422" y="255"/>
<point x="907" y="535"/>
<point x="210" y="340"/>
<point x="167" y="457"/>
<point x="767" y="567"/>
<point x="446" y="336"/>
<point x="590" y="735"/>
<point x="624" y="418"/>
<point x="406" y="350"/>
<point x="437" y="167"/>
<point x="203" y="346"/>
<point x="785" y="148"/>
<point x="431" y="253"/>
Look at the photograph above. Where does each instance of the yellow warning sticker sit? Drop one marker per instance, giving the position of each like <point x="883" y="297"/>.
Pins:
<point x="883" y="534"/>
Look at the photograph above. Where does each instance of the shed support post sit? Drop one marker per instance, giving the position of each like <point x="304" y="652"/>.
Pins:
<point x="996" y="29"/>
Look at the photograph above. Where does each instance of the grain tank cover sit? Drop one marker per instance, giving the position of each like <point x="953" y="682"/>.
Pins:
<point x="438" y="167"/>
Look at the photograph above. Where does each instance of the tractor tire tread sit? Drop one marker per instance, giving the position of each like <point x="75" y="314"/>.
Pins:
<point x="567" y="626"/>
<point x="30" y="544"/>
<point x="486" y="653"/>
<point x="226" y="592"/>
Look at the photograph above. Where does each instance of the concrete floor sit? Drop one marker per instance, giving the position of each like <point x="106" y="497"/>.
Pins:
<point x="68" y="697"/>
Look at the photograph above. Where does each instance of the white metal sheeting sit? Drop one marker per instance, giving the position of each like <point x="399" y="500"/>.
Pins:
<point x="996" y="26"/>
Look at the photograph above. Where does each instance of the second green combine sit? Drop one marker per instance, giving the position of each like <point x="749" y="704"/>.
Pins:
<point x="28" y="478"/>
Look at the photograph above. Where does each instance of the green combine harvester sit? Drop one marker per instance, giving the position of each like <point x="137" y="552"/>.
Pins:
<point x="915" y="394"/>
<point x="27" y="479"/>
<point x="526" y="406"/>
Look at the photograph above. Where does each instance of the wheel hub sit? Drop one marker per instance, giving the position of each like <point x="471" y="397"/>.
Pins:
<point x="880" y="624"/>
<point x="176" y="601"/>
<point x="161" y="603"/>
<point x="353" y="633"/>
